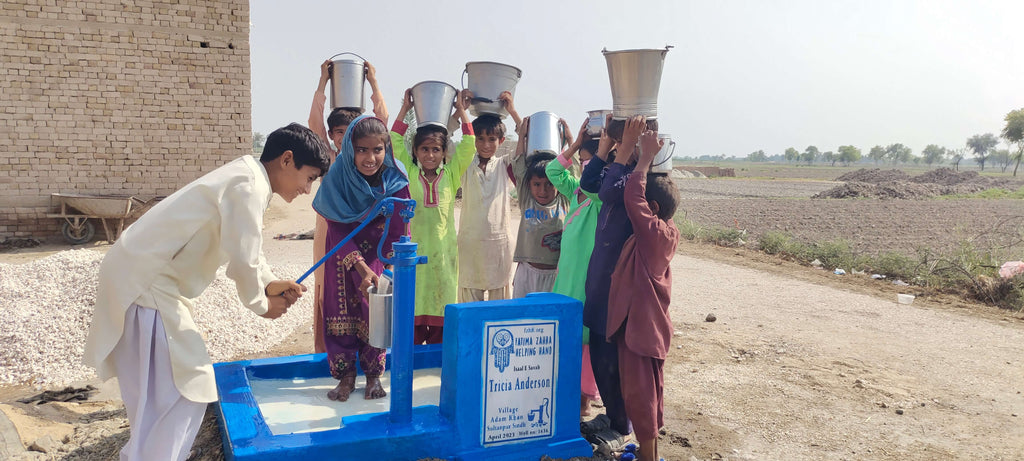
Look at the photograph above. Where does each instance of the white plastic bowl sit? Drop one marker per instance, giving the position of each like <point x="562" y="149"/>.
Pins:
<point x="904" y="299"/>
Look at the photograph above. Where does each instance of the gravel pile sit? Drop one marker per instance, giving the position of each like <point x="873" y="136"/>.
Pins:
<point x="46" y="307"/>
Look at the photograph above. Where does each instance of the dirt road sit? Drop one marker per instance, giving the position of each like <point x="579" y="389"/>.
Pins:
<point x="798" y="368"/>
<point x="800" y="365"/>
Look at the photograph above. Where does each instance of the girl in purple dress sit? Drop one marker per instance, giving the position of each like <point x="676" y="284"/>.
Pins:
<point x="363" y="174"/>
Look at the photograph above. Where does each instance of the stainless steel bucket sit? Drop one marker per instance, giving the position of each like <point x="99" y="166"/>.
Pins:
<point x="487" y="80"/>
<point x="381" y="313"/>
<point x="433" y="101"/>
<point x="596" y="120"/>
<point x="662" y="162"/>
<point x="348" y="82"/>
<point x="544" y="134"/>
<point x="635" y="77"/>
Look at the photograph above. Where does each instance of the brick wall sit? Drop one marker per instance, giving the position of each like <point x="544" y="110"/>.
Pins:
<point x="113" y="97"/>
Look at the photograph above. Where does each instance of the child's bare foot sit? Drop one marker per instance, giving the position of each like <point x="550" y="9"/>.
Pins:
<point x="373" y="389"/>
<point x="344" y="388"/>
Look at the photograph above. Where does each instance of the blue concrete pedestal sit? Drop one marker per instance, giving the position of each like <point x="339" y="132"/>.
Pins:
<point x="510" y="386"/>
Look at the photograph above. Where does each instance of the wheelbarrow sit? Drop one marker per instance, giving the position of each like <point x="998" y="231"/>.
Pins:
<point x="77" y="209"/>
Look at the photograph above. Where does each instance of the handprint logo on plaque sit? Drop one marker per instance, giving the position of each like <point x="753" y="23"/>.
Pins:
<point x="501" y="348"/>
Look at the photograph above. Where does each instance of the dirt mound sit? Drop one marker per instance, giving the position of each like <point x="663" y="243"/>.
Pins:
<point x="890" y="190"/>
<point x="895" y="184"/>
<point x="874" y="176"/>
<point x="948" y="177"/>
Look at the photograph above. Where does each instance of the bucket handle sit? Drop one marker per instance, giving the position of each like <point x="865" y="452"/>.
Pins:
<point x="671" y="152"/>
<point x="353" y="54"/>
<point x="347" y="52"/>
<point x="475" y="98"/>
<point x="562" y="138"/>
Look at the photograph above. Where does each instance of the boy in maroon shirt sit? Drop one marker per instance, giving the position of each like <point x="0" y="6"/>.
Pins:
<point x="640" y="293"/>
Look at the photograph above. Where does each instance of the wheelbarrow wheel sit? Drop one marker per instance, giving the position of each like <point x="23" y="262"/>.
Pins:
<point x="78" y="235"/>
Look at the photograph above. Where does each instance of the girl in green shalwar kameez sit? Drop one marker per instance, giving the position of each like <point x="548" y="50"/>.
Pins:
<point x="433" y="184"/>
<point x="578" y="239"/>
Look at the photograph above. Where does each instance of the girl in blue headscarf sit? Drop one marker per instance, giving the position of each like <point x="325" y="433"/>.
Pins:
<point x="364" y="173"/>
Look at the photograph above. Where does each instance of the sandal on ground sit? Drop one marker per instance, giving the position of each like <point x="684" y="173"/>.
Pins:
<point x="608" y="441"/>
<point x="595" y="425"/>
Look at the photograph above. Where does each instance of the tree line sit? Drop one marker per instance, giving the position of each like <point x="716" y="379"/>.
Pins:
<point x="984" y="148"/>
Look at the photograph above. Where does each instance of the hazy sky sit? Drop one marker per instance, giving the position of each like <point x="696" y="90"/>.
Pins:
<point x="743" y="76"/>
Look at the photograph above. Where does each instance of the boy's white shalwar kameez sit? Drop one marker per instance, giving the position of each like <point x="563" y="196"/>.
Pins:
<point x="485" y="247"/>
<point x="160" y="263"/>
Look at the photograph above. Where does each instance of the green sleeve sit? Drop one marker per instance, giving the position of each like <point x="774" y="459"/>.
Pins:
<point x="463" y="157"/>
<point x="563" y="180"/>
<point x="402" y="155"/>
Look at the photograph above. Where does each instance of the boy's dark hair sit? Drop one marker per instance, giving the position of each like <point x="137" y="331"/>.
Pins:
<point x="661" y="190"/>
<point x="307" y="148"/>
<point x="537" y="165"/>
<point x="590" y="145"/>
<point x="489" y="124"/>
<point x="370" y="126"/>
<point x="341" y="117"/>
<point x="424" y="133"/>
<point x="615" y="128"/>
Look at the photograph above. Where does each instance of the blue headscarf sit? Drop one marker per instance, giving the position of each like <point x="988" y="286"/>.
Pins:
<point x="344" y="195"/>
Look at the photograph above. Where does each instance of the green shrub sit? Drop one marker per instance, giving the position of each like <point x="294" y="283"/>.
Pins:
<point x="688" y="230"/>
<point x="895" y="266"/>
<point x="779" y="243"/>
<point x="726" y="237"/>
<point x="833" y="254"/>
<point x="721" y="236"/>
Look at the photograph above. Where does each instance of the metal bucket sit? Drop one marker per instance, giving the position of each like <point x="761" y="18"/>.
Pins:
<point x="544" y="134"/>
<point x="487" y="80"/>
<point x="635" y="77"/>
<point x="348" y="83"/>
<point x="433" y="101"/>
<point x="381" y="313"/>
<point x="595" y="121"/>
<point x="662" y="162"/>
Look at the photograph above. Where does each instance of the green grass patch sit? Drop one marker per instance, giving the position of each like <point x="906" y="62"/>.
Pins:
<point x="721" y="236"/>
<point x="994" y="193"/>
<point x="967" y="270"/>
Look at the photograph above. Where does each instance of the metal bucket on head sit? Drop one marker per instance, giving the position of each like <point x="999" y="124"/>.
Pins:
<point x="433" y="101"/>
<point x="635" y="77"/>
<point x="544" y="134"/>
<point x="348" y="82"/>
<point x="662" y="162"/>
<point x="381" y="312"/>
<point x="487" y="80"/>
<point x="596" y="120"/>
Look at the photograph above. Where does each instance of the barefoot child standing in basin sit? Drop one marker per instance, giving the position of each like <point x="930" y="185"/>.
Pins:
<point x="364" y="174"/>
<point x="337" y="122"/>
